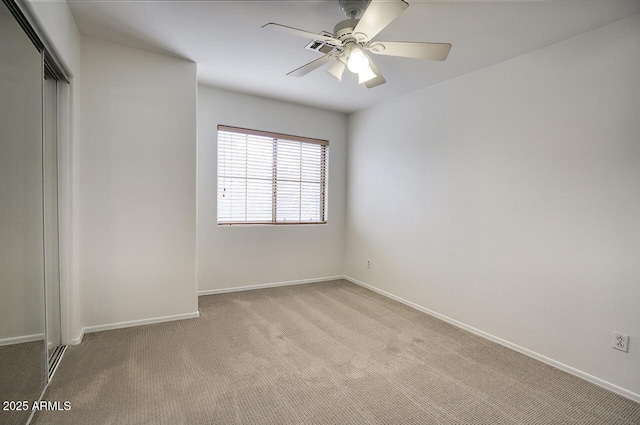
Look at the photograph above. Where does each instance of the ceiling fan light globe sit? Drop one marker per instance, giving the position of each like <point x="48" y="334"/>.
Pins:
<point x="337" y="69"/>
<point x="357" y="61"/>
<point x="366" y="75"/>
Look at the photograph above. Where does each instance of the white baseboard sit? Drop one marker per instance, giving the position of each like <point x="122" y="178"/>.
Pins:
<point x="21" y="339"/>
<point x="266" y="285"/>
<point x="558" y="365"/>
<point x="78" y="339"/>
<point x="128" y="324"/>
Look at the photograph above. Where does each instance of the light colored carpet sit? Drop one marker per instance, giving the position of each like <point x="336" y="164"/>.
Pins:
<point x="322" y="353"/>
<point x="22" y="378"/>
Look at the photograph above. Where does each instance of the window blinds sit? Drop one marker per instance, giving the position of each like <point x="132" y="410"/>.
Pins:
<point x="270" y="178"/>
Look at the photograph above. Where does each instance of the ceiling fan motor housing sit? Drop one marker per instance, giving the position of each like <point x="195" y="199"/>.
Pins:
<point x="344" y="29"/>
<point x="353" y="8"/>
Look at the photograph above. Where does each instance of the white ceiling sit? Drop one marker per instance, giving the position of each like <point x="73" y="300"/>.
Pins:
<point x="225" y="39"/>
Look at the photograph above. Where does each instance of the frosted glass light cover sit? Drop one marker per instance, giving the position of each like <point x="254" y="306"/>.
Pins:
<point x="357" y="61"/>
<point x="337" y="69"/>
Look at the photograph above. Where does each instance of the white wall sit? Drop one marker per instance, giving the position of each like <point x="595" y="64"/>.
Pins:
<point x="137" y="184"/>
<point x="58" y="29"/>
<point x="508" y="199"/>
<point x="234" y="256"/>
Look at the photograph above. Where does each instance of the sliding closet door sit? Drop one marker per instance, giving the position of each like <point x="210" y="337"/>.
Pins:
<point x="22" y="317"/>
<point x="51" y="260"/>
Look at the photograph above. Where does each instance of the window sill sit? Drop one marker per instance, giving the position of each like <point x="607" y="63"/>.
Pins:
<point x="272" y="224"/>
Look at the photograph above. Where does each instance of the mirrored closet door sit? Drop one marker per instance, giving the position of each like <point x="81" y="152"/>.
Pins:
<point x="23" y="355"/>
<point x="30" y="330"/>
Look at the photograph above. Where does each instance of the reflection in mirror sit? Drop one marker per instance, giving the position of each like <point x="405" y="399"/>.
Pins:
<point x="22" y="329"/>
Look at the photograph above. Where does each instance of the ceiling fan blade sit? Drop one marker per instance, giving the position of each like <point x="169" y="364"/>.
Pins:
<point x="378" y="15"/>
<point x="408" y="49"/>
<point x="305" y="69"/>
<point x="374" y="82"/>
<point x="301" y="33"/>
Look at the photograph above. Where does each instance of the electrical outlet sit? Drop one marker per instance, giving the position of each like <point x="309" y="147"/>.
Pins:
<point x="620" y="341"/>
<point x="368" y="264"/>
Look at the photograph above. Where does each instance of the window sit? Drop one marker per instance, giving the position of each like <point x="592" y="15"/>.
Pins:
<point x="270" y="178"/>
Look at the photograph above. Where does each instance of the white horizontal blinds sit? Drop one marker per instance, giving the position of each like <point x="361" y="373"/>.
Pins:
<point x="300" y="181"/>
<point x="270" y="178"/>
<point x="245" y="178"/>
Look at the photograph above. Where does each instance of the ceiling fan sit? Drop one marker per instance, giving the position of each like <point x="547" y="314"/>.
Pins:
<point x="346" y="47"/>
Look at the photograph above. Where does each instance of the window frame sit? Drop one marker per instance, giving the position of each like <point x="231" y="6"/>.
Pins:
<point x="324" y="171"/>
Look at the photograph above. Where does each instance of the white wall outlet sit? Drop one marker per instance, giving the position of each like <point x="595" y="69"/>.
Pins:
<point x="368" y="264"/>
<point x="620" y="341"/>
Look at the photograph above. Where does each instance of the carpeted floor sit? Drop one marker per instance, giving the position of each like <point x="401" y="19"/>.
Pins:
<point x="22" y="378"/>
<point x="322" y="353"/>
